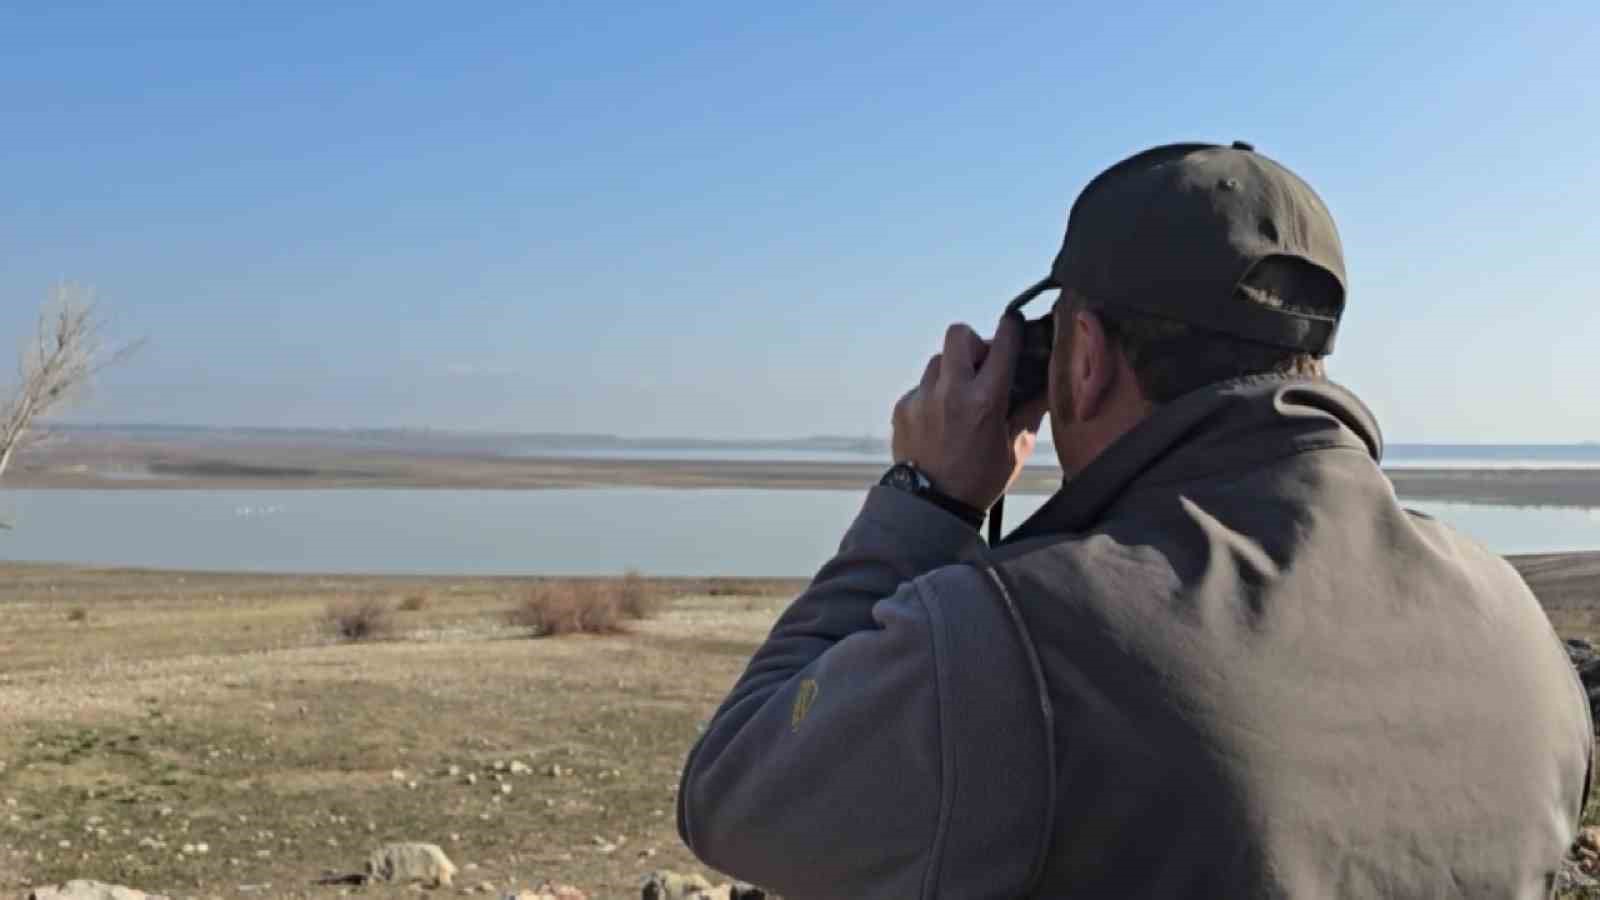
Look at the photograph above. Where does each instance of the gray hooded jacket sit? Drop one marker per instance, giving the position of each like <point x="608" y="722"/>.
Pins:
<point x="1221" y="662"/>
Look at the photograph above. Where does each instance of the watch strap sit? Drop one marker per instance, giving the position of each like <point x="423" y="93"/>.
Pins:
<point x="907" y="477"/>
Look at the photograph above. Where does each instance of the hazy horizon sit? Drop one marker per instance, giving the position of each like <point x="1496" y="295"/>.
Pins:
<point x="576" y="438"/>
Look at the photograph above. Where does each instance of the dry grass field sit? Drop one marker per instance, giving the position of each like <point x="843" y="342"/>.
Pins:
<point x="145" y="712"/>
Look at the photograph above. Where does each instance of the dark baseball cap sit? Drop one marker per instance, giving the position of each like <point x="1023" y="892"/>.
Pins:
<point x="1176" y="231"/>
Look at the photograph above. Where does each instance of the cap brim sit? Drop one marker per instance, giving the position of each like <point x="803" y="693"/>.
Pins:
<point x="1048" y="283"/>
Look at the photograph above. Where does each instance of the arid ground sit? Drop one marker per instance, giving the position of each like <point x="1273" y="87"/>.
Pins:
<point x="144" y="711"/>
<point x="141" y="712"/>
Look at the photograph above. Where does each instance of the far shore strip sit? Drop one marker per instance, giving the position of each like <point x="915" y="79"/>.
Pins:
<point x="146" y="466"/>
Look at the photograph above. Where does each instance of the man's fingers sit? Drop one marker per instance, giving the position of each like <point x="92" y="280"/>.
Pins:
<point x="994" y="379"/>
<point x="930" y="375"/>
<point x="962" y="350"/>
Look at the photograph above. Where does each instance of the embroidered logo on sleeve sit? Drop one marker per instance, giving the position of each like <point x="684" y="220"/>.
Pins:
<point x="804" y="696"/>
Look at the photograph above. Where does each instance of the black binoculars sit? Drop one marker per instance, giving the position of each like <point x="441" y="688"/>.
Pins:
<point x="1032" y="377"/>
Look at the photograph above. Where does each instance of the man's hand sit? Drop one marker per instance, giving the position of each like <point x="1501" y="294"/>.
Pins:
<point x="953" y="425"/>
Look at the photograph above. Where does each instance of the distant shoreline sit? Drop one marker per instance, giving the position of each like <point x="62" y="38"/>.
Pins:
<point x="146" y="465"/>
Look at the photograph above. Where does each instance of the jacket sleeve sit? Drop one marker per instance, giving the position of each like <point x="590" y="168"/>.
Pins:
<point x="876" y="740"/>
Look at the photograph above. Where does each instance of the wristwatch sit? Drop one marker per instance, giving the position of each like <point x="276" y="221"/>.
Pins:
<point x="905" y="476"/>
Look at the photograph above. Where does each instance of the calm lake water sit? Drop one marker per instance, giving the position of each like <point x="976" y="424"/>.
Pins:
<point x="558" y="532"/>
<point x="1396" y="456"/>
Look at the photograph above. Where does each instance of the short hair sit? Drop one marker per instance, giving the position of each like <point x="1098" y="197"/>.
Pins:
<point x="1171" y="359"/>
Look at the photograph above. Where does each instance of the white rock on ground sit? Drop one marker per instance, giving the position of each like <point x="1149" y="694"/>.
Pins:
<point x="665" y="885"/>
<point x="81" y="889"/>
<point x="411" y="863"/>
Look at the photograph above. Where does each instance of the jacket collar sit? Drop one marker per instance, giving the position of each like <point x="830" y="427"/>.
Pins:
<point x="1217" y="429"/>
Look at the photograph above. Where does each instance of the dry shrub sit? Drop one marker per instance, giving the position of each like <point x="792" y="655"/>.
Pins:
<point x="78" y="614"/>
<point x="568" y="608"/>
<point x="414" y="603"/>
<point x="637" y="599"/>
<point x="358" y="618"/>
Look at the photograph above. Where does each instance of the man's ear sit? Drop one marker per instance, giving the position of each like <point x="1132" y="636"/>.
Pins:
<point x="1095" y="368"/>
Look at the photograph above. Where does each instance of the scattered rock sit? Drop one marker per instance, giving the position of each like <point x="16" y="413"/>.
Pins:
<point x="666" y="885"/>
<point x="518" y="767"/>
<point x="411" y="863"/>
<point x="548" y="891"/>
<point x="90" y="890"/>
<point x="1589" y="838"/>
<point x="1571" y="877"/>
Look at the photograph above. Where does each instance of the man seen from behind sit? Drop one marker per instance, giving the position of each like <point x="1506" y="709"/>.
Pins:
<point x="1222" y="661"/>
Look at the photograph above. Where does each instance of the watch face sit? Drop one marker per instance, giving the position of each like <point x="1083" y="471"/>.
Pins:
<point x="902" y="477"/>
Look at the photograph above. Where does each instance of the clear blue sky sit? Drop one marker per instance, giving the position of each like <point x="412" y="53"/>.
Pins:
<point x="737" y="219"/>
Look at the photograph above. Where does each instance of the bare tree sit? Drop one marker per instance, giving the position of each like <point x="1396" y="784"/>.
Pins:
<point x="57" y="364"/>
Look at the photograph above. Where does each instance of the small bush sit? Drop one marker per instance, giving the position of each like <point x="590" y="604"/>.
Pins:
<point x="358" y="618"/>
<point x="568" y="608"/>
<point x="414" y="603"/>
<point x="636" y="598"/>
<point x="78" y="614"/>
